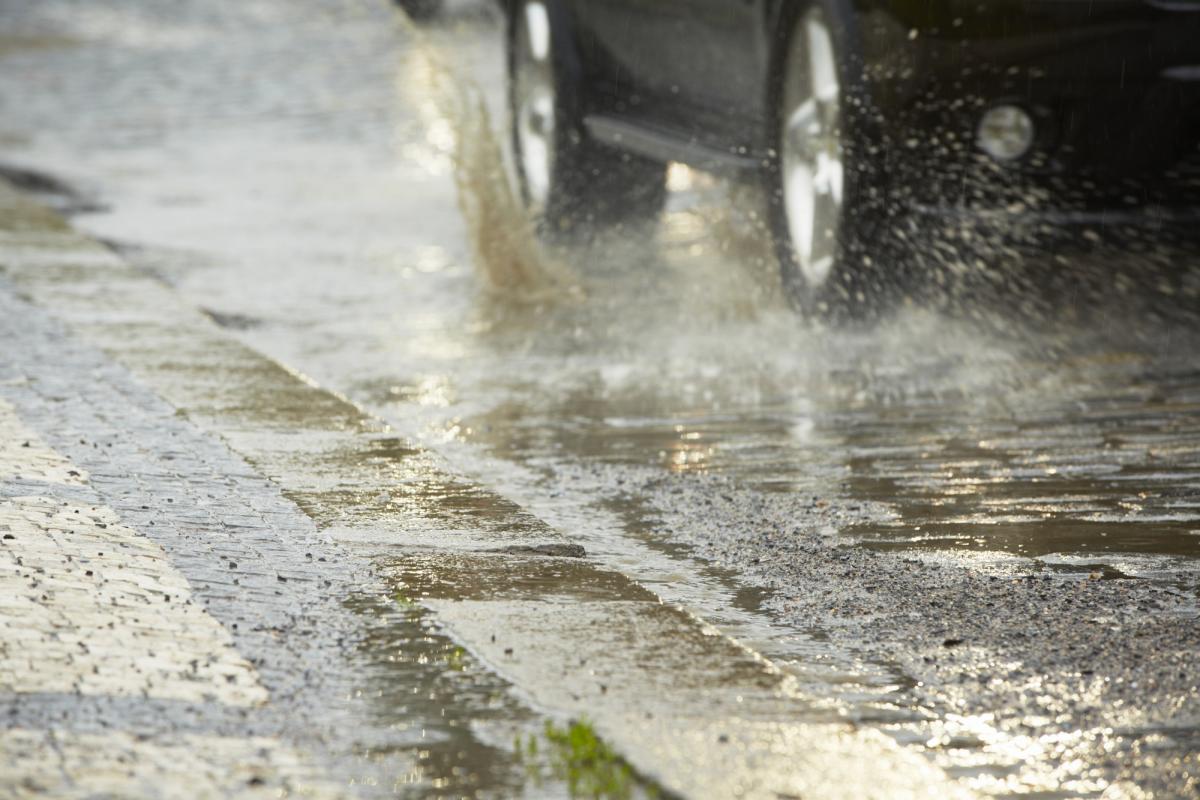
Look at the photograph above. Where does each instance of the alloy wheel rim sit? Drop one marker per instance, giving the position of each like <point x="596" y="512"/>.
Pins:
<point x="535" y="103"/>
<point x="811" y="148"/>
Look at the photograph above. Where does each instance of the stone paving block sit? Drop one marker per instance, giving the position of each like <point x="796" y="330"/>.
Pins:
<point x="114" y="615"/>
<point x="25" y="458"/>
<point x="92" y="607"/>
<point x="81" y="766"/>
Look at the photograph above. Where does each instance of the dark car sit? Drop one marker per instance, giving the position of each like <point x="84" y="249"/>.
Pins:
<point x="857" y="112"/>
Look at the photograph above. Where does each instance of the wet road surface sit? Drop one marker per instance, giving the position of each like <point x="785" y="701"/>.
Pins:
<point x="976" y="531"/>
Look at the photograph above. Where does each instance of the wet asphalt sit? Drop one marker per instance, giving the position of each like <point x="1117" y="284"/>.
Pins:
<point x="974" y="526"/>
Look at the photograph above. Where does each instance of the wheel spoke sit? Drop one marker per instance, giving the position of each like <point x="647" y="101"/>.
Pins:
<point x="829" y="176"/>
<point x="821" y="63"/>
<point x="537" y="29"/>
<point x="541" y="116"/>
<point x="800" y="197"/>
<point x="803" y="127"/>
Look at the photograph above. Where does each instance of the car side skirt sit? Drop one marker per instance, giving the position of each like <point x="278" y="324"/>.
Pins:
<point x="664" y="145"/>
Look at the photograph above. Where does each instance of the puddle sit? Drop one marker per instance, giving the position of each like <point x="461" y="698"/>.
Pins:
<point x="455" y="718"/>
<point x="446" y="576"/>
<point x="379" y="480"/>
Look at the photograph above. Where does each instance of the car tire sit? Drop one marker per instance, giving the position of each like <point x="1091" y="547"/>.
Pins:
<point x="421" y="10"/>
<point x="571" y="184"/>
<point x="825" y="198"/>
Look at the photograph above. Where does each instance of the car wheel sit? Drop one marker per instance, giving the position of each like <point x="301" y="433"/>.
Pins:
<point x="816" y="177"/>
<point x="569" y="183"/>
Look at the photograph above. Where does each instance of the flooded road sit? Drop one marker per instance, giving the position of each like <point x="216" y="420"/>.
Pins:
<point x="974" y="527"/>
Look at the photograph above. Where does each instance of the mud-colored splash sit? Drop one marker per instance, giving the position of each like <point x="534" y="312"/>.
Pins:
<point x="507" y="254"/>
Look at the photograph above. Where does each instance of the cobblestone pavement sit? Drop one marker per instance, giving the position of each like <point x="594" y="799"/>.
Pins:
<point x="72" y="764"/>
<point x="125" y="615"/>
<point x="103" y="613"/>
<point x="90" y="608"/>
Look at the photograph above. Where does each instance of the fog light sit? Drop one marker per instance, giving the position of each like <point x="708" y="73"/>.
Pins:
<point x="1005" y="133"/>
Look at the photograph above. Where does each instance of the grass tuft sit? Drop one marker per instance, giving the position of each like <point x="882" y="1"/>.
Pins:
<point x="576" y="754"/>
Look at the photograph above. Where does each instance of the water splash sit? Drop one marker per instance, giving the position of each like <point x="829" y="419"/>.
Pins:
<point x="730" y="219"/>
<point x="514" y="264"/>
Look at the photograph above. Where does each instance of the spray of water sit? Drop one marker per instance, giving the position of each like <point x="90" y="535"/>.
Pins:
<point x="514" y="265"/>
<point x="736" y="225"/>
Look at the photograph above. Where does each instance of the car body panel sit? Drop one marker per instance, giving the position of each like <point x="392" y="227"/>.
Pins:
<point x="1114" y="84"/>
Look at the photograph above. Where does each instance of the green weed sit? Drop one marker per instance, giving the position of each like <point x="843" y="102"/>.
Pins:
<point x="577" y="755"/>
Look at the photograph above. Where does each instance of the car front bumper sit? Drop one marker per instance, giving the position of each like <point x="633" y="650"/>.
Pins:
<point x="1113" y="87"/>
